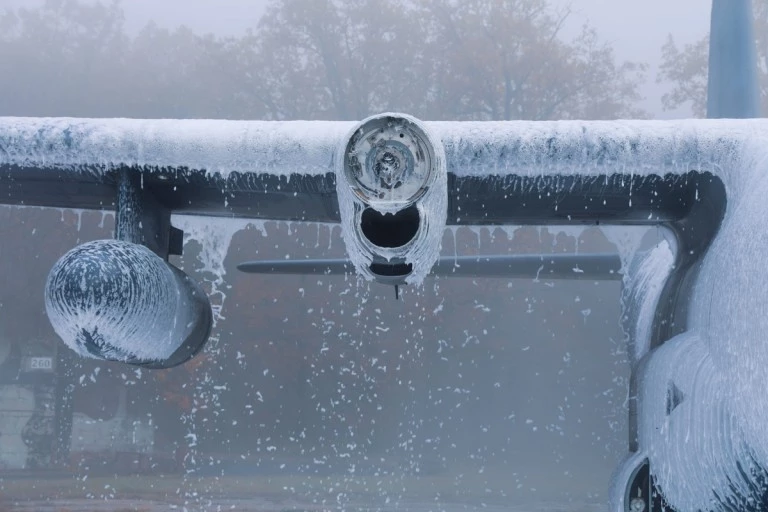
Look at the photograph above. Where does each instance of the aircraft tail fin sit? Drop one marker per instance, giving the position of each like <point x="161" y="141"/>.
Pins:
<point x="733" y="90"/>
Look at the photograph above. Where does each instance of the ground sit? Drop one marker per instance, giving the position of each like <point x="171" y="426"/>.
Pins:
<point x="265" y="493"/>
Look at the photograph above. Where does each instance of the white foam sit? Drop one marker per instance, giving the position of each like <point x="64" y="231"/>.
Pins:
<point x="424" y="250"/>
<point x="590" y="148"/>
<point x="691" y="438"/>
<point x="730" y="301"/>
<point x="214" y="234"/>
<point x="118" y="296"/>
<point x="643" y="284"/>
<point x="222" y="147"/>
<point x="309" y="147"/>
<point x="627" y="240"/>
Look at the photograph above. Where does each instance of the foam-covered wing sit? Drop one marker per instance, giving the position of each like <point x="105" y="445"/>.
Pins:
<point x="498" y="173"/>
<point x="627" y="172"/>
<point x="223" y="168"/>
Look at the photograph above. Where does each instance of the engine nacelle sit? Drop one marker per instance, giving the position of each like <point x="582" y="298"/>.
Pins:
<point x="392" y="186"/>
<point x="119" y="301"/>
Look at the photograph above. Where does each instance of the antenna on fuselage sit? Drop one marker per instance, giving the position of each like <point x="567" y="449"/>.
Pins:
<point x="733" y="90"/>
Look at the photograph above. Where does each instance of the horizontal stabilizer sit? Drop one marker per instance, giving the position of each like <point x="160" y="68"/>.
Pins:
<point x="595" y="266"/>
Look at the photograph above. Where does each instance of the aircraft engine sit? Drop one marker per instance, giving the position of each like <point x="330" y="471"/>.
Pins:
<point x="118" y="301"/>
<point x="392" y="186"/>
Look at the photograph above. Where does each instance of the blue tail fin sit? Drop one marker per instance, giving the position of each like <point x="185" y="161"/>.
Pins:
<point x="733" y="82"/>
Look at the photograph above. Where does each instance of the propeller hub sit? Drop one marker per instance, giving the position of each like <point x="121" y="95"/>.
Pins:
<point x="389" y="162"/>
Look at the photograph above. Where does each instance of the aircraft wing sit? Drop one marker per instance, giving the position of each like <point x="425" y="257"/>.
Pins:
<point x="259" y="170"/>
<point x="498" y="173"/>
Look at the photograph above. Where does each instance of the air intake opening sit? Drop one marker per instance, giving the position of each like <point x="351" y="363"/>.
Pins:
<point x="390" y="230"/>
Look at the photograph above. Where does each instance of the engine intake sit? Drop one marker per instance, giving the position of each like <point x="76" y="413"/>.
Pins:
<point x="393" y="194"/>
<point x="390" y="230"/>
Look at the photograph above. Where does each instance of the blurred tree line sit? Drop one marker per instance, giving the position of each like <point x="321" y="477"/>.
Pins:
<point x="316" y="59"/>
<point x="686" y="68"/>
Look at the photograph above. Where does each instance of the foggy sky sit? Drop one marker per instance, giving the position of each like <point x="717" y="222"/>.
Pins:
<point x="637" y="30"/>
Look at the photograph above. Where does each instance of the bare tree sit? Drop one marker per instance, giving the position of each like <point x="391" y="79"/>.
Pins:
<point x="316" y="59"/>
<point x="507" y="59"/>
<point x="441" y="59"/>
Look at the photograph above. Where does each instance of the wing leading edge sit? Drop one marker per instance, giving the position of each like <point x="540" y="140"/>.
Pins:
<point x="498" y="173"/>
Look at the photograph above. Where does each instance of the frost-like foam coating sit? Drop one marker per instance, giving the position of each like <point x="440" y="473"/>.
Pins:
<point x="731" y="300"/>
<point x="693" y="441"/>
<point x="214" y="234"/>
<point x="627" y="240"/>
<point x="644" y="282"/>
<point x="424" y="250"/>
<point x="215" y="146"/>
<point x="589" y="148"/>
<point x="116" y="300"/>
<point x="308" y="147"/>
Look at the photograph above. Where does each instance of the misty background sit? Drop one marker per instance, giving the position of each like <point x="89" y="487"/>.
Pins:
<point x="302" y="59"/>
<point x="470" y="390"/>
